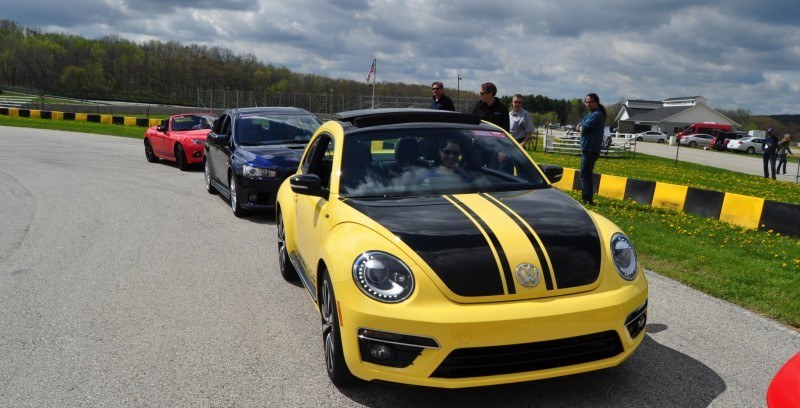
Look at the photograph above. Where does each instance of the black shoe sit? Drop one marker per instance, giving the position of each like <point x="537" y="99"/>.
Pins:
<point x="588" y="202"/>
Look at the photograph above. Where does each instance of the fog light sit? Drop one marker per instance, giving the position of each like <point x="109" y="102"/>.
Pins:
<point x="197" y="154"/>
<point x="253" y="197"/>
<point x="380" y="352"/>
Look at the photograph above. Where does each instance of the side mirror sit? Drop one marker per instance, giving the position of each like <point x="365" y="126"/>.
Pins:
<point x="308" y="184"/>
<point x="553" y="172"/>
<point x="213" y="137"/>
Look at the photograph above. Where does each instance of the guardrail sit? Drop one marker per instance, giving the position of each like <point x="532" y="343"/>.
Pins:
<point x="81" y="117"/>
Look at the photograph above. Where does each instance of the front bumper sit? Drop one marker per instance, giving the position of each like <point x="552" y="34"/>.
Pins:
<point x="258" y="194"/>
<point x="487" y="344"/>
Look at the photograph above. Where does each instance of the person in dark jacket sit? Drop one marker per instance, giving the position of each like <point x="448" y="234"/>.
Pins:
<point x="769" y="149"/>
<point x="440" y="100"/>
<point x="489" y="107"/>
<point x="591" y="128"/>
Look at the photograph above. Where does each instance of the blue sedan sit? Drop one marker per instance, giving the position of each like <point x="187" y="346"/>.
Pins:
<point x="250" y="151"/>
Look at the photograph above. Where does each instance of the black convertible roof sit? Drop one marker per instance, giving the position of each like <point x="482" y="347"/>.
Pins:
<point x="379" y="117"/>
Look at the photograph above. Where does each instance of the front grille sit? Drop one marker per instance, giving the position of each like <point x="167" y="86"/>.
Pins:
<point x="519" y="358"/>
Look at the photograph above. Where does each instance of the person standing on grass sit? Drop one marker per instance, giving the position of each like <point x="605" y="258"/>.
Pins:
<point x="591" y="128"/>
<point x="768" y="149"/>
<point x="520" y="121"/>
<point x="783" y="149"/>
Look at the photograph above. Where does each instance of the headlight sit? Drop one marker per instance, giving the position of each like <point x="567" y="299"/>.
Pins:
<point x="199" y="141"/>
<point x="624" y="256"/>
<point x="254" y="172"/>
<point x="383" y="277"/>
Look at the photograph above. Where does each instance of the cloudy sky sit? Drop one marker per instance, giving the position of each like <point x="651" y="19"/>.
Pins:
<point x="737" y="53"/>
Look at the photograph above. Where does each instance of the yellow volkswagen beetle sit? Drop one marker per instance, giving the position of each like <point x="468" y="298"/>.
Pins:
<point x="439" y="254"/>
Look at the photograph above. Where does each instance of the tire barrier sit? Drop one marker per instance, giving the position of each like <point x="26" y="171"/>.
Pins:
<point x="81" y="117"/>
<point x="751" y="212"/>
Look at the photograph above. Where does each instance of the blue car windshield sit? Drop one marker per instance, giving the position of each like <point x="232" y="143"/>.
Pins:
<point x="274" y="129"/>
<point x="402" y="162"/>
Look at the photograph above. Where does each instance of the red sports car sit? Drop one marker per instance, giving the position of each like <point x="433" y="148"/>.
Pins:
<point x="181" y="139"/>
<point x="784" y="391"/>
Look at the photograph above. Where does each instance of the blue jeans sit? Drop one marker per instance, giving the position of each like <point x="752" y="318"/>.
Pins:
<point x="769" y="159"/>
<point x="588" y="159"/>
<point x="781" y="163"/>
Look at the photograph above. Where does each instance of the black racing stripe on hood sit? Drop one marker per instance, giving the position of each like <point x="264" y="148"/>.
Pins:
<point x="495" y="242"/>
<point x="446" y="239"/>
<point x="548" y="280"/>
<point x="567" y="232"/>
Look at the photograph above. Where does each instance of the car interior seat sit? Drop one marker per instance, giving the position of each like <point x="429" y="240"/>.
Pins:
<point x="407" y="156"/>
<point x="357" y="168"/>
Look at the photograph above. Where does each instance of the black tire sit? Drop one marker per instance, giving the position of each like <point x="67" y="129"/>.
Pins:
<point x="335" y="364"/>
<point x="180" y="158"/>
<point x="660" y="140"/>
<point x="207" y="178"/>
<point x="287" y="268"/>
<point x="751" y="150"/>
<point x="148" y="152"/>
<point x="234" y="199"/>
<point x="639" y="139"/>
<point x="692" y="144"/>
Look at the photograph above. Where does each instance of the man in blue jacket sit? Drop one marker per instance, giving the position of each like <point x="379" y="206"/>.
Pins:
<point x="769" y="149"/>
<point x="591" y="128"/>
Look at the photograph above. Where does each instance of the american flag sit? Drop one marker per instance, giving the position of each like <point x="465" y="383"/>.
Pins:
<point x="371" y="70"/>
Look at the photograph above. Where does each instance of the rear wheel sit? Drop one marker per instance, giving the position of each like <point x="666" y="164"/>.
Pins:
<point x="751" y="150"/>
<point x="148" y="152"/>
<point x="331" y="335"/>
<point x="639" y="139"/>
<point x="692" y="143"/>
<point x="180" y="158"/>
<point x="287" y="269"/>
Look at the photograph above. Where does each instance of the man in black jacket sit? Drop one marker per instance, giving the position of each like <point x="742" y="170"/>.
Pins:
<point x="440" y="100"/>
<point x="490" y="109"/>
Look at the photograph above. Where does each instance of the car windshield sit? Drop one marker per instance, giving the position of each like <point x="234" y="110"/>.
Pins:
<point x="275" y="129"/>
<point x="192" y="122"/>
<point x="426" y="161"/>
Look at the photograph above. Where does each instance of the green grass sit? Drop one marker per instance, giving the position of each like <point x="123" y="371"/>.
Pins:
<point x="758" y="270"/>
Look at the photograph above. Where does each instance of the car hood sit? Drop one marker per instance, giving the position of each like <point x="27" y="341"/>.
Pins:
<point x="276" y="155"/>
<point x="482" y="247"/>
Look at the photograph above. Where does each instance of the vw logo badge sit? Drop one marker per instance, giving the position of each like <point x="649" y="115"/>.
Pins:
<point x="527" y="275"/>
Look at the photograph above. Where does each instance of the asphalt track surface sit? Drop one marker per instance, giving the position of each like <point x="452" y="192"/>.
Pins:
<point x="123" y="283"/>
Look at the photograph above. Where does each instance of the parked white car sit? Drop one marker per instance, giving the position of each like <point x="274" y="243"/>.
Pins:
<point x="651" y="136"/>
<point x="697" y="139"/>
<point x="748" y="145"/>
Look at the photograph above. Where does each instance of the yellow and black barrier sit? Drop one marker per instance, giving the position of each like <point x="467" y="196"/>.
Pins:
<point x="80" y="117"/>
<point x="750" y="212"/>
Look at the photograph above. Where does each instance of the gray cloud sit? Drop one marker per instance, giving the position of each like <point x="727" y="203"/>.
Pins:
<point x="737" y="53"/>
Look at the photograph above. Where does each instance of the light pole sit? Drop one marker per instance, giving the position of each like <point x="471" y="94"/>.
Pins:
<point x="458" y="89"/>
<point x="331" y="98"/>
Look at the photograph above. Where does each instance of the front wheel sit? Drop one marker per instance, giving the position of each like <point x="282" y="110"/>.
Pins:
<point x="287" y="269"/>
<point x="660" y="140"/>
<point x="180" y="158"/>
<point x="148" y="152"/>
<point x="237" y="209"/>
<point x="639" y="139"/>
<point x="331" y="335"/>
<point x="692" y="144"/>
<point x="207" y="178"/>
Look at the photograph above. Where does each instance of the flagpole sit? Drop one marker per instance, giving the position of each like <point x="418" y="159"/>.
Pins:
<point x="375" y="63"/>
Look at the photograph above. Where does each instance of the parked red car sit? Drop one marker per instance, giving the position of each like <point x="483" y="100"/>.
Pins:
<point x="784" y="391"/>
<point x="181" y="139"/>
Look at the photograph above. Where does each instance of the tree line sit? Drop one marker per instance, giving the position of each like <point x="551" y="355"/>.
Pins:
<point x="114" y="68"/>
